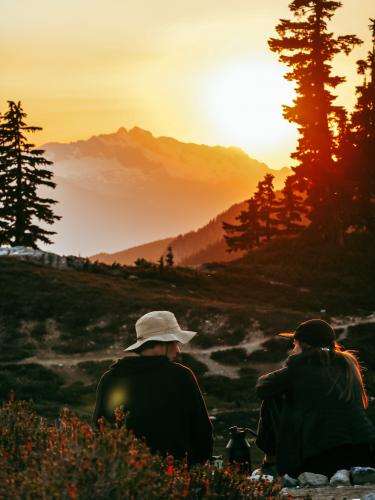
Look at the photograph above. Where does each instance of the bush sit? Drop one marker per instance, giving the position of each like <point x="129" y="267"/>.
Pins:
<point x="71" y="461"/>
<point x="273" y="350"/>
<point x="233" y="357"/>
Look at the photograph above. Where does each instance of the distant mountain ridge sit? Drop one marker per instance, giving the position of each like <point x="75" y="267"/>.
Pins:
<point x="193" y="248"/>
<point x="122" y="189"/>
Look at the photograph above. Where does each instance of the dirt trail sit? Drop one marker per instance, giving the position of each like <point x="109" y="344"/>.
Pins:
<point x="251" y="343"/>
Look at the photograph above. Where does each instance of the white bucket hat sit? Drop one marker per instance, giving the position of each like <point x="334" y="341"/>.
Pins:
<point x="161" y="326"/>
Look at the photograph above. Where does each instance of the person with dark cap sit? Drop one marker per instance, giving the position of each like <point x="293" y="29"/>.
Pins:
<point x="313" y="417"/>
<point x="160" y="398"/>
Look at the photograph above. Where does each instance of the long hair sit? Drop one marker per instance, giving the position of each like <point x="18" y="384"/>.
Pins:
<point x="353" y="369"/>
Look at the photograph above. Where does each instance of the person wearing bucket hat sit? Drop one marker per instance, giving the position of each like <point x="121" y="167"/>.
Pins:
<point x="313" y="417"/>
<point x="160" y="397"/>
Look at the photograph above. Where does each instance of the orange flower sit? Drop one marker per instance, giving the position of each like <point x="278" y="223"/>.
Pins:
<point x="72" y="492"/>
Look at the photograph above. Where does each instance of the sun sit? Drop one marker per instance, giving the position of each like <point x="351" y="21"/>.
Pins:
<point x="243" y="102"/>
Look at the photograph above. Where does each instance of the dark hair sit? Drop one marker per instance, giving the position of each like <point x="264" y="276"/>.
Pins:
<point x="353" y="369"/>
<point x="149" y="345"/>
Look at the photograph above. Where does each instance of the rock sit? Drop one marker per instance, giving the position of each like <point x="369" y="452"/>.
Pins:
<point x="340" y="478"/>
<point x="363" y="475"/>
<point x="312" y="480"/>
<point x="369" y="496"/>
<point x="289" y="482"/>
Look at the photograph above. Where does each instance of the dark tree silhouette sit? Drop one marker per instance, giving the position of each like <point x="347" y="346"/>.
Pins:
<point x="169" y="257"/>
<point x="290" y="208"/>
<point x="363" y="140"/>
<point x="161" y="263"/>
<point x="22" y="171"/>
<point x="265" y="199"/>
<point x="246" y="234"/>
<point x="307" y="47"/>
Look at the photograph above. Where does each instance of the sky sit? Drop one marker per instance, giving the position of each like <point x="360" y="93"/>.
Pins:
<point x="196" y="70"/>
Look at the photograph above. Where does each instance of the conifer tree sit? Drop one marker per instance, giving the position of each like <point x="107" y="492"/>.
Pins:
<point x="290" y="208"/>
<point x="363" y="139"/>
<point x="22" y="171"/>
<point x="266" y="203"/>
<point x="307" y="47"/>
<point x="169" y="257"/>
<point x="246" y="234"/>
<point x="161" y="263"/>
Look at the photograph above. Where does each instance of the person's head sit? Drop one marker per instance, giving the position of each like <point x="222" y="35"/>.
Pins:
<point x="313" y="333"/>
<point x="159" y="334"/>
<point x="156" y="348"/>
<point x="317" y="336"/>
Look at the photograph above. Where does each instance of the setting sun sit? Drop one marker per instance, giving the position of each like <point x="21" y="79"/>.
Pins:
<point x="244" y="103"/>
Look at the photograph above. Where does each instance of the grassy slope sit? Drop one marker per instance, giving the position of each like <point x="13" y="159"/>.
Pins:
<point x="44" y="312"/>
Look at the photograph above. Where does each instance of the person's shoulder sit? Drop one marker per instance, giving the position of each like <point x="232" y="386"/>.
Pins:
<point x="183" y="371"/>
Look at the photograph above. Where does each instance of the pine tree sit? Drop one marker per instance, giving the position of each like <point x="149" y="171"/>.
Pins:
<point x="161" y="263"/>
<point x="22" y="171"/>
<point x="265" y="199"/>
<point x="307" y="47"/>
<point x="363" y="140"/>
<point x="246" y="234"/>
<point x="290" y="208"/>
<point x="169" y="257"/>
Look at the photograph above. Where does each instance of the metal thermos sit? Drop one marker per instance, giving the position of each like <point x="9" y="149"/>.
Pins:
<point x="238" y="448"/>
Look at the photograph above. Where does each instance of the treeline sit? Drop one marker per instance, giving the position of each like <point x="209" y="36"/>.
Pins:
<point x="331" y="191"/>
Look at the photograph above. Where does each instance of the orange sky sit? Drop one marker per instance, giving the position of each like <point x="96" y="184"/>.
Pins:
<point x="197" y="70"/>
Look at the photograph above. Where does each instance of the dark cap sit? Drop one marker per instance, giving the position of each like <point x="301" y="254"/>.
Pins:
<point x="314" y="332"/>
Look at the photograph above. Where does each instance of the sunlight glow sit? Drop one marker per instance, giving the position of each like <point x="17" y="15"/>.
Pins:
<point x="244" y="103"/>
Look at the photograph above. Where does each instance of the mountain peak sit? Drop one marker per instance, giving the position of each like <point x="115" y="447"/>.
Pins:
<point x="140" y="133"/>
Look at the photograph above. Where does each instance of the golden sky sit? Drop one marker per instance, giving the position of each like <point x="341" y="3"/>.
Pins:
<point x="197" y="70"/>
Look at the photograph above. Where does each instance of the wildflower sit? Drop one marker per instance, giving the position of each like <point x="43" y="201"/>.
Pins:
<point x="72" y="492"/>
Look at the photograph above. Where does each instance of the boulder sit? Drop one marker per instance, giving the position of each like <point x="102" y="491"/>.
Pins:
<point x="309" y="479"/>
<point x="363" y="475"/>
<point x="340" y="478"/>
<point x="289" y="482"/>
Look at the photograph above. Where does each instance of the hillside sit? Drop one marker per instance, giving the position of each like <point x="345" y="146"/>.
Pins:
<point x="206" y="244"/>
<point x="60" y="329"/>
<point x="120" y="190"/>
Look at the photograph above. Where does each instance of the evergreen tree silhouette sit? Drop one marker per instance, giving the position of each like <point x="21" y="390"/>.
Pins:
<point x="265" y="199"/>
<point x="169" y="257"/>
<point x="161" y="263"/>
<point x="307" y="47"/>
<point x="22" y="171"/>
<point x="363" y="141"/>
<point x="246" y="234"/>
<point x="290" y="208"/>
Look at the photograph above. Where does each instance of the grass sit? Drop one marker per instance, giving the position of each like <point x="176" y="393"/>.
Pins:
<point x="272" y="289"/>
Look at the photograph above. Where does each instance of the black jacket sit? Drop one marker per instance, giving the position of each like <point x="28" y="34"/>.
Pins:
<point x="315" y="417"/>
<point x="163" y="402"/>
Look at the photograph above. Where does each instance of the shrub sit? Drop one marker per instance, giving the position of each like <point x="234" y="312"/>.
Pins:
<point x="234" y="356"/>
<point x="72" y="461"/>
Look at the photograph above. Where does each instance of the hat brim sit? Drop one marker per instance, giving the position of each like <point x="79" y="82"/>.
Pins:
<point x="183" y="336"/>
<point x="286" y="335"/>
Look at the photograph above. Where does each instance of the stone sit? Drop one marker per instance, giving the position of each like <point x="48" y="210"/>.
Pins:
<point x="369" y="496"/>
<point x="289" y="482"/>
<point x="340" y="478"/>
<point x="312" y="480"/>
<point x="363" y="475"/>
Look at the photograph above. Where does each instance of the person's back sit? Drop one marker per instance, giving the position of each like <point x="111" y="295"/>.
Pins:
<point x="160" y="398"/>
<point x="162" y="402"/>
<point x="318" y="403"/>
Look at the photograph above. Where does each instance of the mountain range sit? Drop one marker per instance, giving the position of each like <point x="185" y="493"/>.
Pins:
<point x="128" y="188"/>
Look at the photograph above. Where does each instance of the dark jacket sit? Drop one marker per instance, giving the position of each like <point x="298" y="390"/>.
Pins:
<point x="163" y="402"/>
<point x="315" y="417"/>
